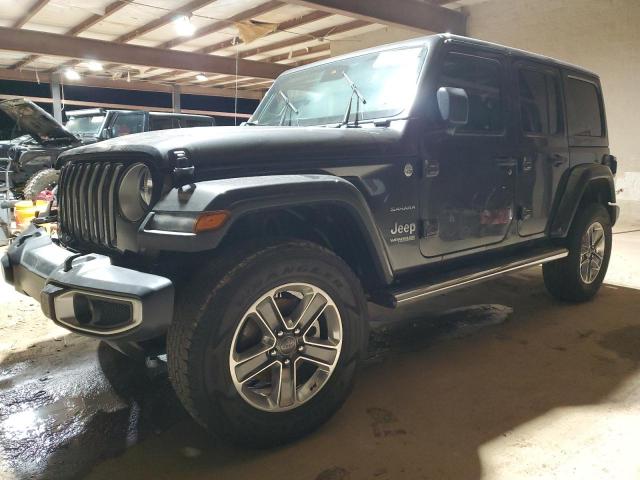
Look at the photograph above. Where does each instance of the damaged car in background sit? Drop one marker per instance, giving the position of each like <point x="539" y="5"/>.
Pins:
<point x="35" y="157"/>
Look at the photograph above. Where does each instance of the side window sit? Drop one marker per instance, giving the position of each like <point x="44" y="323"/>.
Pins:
<point x="540" y="103"/>
<point x="583" y="109"/>
<point x="481" y="79"/>
<point x="157" y="122"/>
<point x="128" y="123"/>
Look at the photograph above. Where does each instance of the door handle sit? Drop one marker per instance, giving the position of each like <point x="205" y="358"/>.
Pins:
<point x="507" y="163"/>
<point x="558" y="159"/>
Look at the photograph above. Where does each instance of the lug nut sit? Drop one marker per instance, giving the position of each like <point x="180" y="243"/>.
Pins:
<point x="297" y="331"/>
<point x="273" y="353"/>
<point x="301" y="348"/>
<point x="279" y="333"/>
<point x="287" y="361"/>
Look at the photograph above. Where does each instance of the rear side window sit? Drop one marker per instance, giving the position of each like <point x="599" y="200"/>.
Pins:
<point x="583" y="109"/>
<point x="540" y="103"/>
<point x="187" y="122"/>
<point x="160" y="123"/>
<point x="481" y="79"/>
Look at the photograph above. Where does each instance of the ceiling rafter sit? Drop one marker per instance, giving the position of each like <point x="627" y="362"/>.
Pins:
<point x="43" y="43"/>
<point x="165" y="19"/>
<point x="31" y="12"/>
<point x="135" y="85"/>
<point x="322" y="48"/>
<point x="221" y="24"/>
<point x="317" y="34"/>
<point x="284" y="26"/>
<point x="79" y="28"/>
<point x="416" y="15"/>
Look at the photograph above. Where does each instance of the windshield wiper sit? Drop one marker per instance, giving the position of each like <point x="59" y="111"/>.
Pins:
<point x="289" y="107"/>
<point x="356" y="91"/>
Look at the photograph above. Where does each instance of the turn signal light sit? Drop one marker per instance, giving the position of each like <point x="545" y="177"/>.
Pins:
<point x="210" y="221"/>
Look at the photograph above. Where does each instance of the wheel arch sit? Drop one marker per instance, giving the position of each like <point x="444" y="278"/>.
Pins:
<point x="585" y="183"/>
<point x="324" y="209"/>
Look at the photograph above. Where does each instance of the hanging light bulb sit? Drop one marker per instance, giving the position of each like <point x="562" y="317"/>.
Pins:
<point x="94" y="66"/>
<point x="71" y="74"/>
<point x="183" y="26"/>
<point x="201" y="77"/>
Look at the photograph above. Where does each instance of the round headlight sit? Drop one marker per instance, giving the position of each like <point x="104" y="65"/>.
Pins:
<point x="135" y="192"/>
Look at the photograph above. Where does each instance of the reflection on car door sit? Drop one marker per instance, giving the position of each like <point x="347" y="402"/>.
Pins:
<point x="468" y="196"/>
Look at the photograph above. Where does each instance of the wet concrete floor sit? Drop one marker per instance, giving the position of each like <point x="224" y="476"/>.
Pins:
<point x="496" y="381"/>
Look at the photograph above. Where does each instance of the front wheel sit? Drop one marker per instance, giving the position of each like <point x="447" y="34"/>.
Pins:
<point x="43" y="180"/>
<point x="266" y="351"/>
<point x="578" y="277"/>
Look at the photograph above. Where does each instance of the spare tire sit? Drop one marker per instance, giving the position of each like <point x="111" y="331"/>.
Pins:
<point x="43" y="180"/>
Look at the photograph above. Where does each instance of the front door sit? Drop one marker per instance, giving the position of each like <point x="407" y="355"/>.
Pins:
<point x="543" y="150"/>
<point x="470" y="171"/>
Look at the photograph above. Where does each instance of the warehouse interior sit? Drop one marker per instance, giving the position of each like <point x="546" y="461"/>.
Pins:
<point x="496" y="381"/>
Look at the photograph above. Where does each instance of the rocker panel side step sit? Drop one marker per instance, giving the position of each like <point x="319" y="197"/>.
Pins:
<point x="463" y="277"/>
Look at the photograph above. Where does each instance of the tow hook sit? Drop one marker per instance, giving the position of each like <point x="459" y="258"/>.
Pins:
<point x="68" y="263"/>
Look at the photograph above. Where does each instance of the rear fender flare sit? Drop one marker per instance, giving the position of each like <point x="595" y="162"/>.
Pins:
<point x="576" y="183"/>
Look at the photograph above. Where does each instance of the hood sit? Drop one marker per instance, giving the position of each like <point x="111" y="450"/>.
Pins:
<point x="214" y="147"/>
<point x="33" y="120"/>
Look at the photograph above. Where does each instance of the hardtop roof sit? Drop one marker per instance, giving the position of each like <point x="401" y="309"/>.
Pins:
<point x="448" y="37"/>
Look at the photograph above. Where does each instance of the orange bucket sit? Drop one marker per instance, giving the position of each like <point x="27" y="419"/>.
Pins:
<point x="26" y="210"/>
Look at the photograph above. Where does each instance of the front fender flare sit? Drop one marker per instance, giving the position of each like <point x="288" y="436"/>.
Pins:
<point x="242" y="196"/>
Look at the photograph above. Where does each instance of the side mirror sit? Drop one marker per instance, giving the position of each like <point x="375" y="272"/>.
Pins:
<point x="453" y="104"/>
<point x="107" y="133"/>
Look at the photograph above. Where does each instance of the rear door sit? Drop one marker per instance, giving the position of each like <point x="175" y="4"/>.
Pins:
<point x="470" y="170"/>
<point x="543" y="148"/>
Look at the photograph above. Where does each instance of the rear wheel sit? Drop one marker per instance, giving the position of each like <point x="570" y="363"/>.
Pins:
<point x="578" y="277"/>
<point x="266" y="351"/>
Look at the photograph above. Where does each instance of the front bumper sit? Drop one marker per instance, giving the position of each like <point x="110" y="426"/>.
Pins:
<point x="86" y="293"/>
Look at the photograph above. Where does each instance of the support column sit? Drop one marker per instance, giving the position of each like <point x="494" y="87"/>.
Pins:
<point x="56" y="97"/>
<point x="175" y="98"/>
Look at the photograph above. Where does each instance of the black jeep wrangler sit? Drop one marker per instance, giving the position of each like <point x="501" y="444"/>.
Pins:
<point x="390" y="175"/>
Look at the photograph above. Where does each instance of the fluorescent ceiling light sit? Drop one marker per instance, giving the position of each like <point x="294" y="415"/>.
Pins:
<point x="71" y="74"/>
<point x="201" y="77"/>
<point x="183" y="26"/>
<point x="94" y="66"/>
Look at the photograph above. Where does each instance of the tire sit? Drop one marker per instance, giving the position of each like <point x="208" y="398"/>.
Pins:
<point x="210" y="325"/>
<point x="564" y="279"/>
<point x="39" y="181"/>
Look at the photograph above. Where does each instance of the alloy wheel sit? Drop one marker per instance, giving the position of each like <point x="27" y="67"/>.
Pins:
<point x="592" y="252"/>
<point x="286" y="347"/>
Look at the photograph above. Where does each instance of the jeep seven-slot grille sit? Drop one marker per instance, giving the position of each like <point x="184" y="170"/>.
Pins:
<point x="87" y="201"/>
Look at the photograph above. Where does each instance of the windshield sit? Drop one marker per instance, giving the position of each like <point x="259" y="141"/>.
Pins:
<point x="85" y="125"/>
<point x="320" y="95"/>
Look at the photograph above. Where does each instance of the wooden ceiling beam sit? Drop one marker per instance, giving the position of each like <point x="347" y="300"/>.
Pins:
<point x="42" y="43"/>
<point x="32" y="12"/>
<point x="30" y="76"/>
<point x="79" y="28"/>
<point x="165" y="19"/>
<point x="318" y="34"/>
<point x="284" y="26"/>
<point x="415" y="15"/>
<point x="221" y="24"/>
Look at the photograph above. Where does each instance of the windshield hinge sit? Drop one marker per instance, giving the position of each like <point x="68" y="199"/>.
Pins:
<point x="183" y="170"/>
